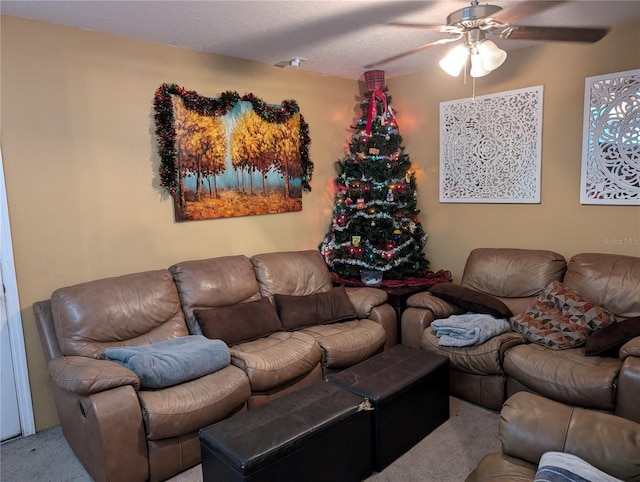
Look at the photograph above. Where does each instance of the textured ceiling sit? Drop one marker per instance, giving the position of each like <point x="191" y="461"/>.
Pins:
<point x="337" y="37"/>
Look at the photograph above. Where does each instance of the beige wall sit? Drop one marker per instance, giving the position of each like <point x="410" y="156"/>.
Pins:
<point x="81" y="164"/>
<point x="559" y="222"/>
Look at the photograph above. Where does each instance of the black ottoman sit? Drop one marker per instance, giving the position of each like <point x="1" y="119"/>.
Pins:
<point x="319" y="433"/>
<point x="409" y="389"/>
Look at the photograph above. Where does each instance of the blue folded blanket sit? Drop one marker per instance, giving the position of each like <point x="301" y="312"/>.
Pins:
<point x="468" y="329"/>
<point x="173" y="361"/>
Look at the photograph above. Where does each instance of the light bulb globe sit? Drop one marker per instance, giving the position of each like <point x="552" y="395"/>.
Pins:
<point x="453" y="62"/>
<point x="492" y="57"/>
<point x="477" y="69"/>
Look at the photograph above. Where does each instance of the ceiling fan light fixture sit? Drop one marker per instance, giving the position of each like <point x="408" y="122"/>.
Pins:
<point x="492" y="56"/>
<point x="477" y="69"/>
<point x="455" y="60"/>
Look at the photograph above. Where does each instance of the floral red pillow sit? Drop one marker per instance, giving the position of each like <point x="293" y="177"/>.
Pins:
<point x="561" y="318"/>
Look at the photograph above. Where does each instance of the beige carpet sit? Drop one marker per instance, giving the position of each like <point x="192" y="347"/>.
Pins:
<point x="448" y="454"/>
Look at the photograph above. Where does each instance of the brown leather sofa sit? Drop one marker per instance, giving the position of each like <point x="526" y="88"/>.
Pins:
<point x="122" y="432"/>
<point x="490" y="372"/>
<point x="531" y="425"/>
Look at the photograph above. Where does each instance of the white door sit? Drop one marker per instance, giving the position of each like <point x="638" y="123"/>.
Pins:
<point x="10" y="421"/>
<point x="16" y="411"/>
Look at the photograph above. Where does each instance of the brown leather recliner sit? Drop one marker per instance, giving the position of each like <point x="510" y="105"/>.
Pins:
<point x="531" y="425"/>
<point x="343" y="343"/>
<point x="570" y="376"/>
<point x="505" y="364"/>
<point x="516" y="277"/>
<point x="117" y="430"/>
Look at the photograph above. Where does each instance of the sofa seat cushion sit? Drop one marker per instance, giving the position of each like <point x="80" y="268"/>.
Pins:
<point x="347" y="343"/>
<point x="276" y="359"/>
<point x="483" y="359"/>
<point x="186" y="408"/>
<point x="568" y="376"/>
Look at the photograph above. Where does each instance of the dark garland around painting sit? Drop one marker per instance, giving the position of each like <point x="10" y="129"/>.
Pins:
<point x="232" y="155"/>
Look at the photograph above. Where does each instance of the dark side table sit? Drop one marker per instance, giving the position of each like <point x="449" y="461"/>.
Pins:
<point x="397" y="297"/>
<point x="398" y="294"/>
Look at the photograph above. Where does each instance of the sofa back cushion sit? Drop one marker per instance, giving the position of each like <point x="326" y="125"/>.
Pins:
<point x="134" y="309"/>
<point x="214" y="282"/>
<point x="609" y="280"/>
<point x="516" y="276"/>
<point x="295" y="273"/>
<point x="531" y="425"/>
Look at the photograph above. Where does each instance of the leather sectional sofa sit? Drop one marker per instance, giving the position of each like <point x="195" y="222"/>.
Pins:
<point x="490" y="372"/>
<point x="121" y="431"/>
<point x="532" y="426"/>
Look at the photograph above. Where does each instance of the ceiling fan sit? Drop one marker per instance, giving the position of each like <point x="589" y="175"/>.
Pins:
<point x="475" y="23"/>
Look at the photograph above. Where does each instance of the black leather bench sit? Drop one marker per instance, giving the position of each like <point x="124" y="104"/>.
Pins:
<point x="319" y="433"/>
<point x="409" y="390"/>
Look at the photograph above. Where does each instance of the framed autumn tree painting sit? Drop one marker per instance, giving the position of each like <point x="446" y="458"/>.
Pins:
<point x="230" y="156"/>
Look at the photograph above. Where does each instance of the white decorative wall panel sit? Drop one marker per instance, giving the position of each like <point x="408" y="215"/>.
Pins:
<point x="490" y="148"/>
<point x="611" y="140"/>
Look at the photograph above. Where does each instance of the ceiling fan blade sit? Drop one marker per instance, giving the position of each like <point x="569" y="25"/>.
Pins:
<point x="414" y="51"/>
<point x="427" y="26"/>
<point x="517" y="11"/>
<point x="561" y="34"/>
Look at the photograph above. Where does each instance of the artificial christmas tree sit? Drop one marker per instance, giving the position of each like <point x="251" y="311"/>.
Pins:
<point x="375" y="225"/>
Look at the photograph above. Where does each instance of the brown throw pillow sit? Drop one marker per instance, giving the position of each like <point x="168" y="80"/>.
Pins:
<point x="471" y="300"/>
<point x="238" y="323"/>
<point x="609" y="340"/>
<point x="319" y="308"/>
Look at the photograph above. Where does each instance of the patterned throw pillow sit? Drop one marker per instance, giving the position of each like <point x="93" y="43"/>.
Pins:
<point x="560" y="318"/>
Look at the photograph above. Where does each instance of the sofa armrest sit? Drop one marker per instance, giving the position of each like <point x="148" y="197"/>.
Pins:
<point x="437" y="306"/>
<point x="85" y="376"/>
<point x="531" y="425"/>
<point x="628" y="393"/>
<point x="366" y="299"/>
<point x="631" y="348"/>
<point x="386" y="316"/>
<point x="422" y="309"/>
<point x="371" y="303"/>
<point x="106" y="432"/>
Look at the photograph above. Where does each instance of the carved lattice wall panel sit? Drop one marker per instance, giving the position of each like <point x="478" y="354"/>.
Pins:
<point x="611" y="140"/>
<point x="490" y="148"/>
